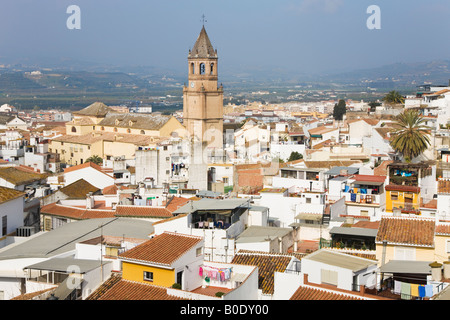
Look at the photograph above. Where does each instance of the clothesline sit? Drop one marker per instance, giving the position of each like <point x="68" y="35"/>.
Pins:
<point x="407" y="290"/>
<point x="221" y="274"/>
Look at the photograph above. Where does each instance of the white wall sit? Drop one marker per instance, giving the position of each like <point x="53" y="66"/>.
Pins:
<point x="285" y="285"/>
<point x="13" y="209"/>
<point x="93" y="176"/>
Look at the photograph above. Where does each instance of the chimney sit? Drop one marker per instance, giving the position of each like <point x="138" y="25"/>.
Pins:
<point x="349" y="220"/>
<point x="436" y="271"/>
<point x="89" y="201"/>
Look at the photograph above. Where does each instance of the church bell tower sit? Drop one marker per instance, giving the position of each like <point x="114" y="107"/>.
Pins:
<point x="202" y="97"/>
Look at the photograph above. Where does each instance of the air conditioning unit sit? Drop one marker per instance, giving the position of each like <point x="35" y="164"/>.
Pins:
<point x="25" y="231"/>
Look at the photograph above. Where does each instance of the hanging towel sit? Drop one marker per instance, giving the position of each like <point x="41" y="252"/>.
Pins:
<point x="415" y="290"/>
<point x="422" y="291"/>
<point x="353" y="197"/>
<point x="346" y="188"/>
<point x="397" y="287"/>
<point x="200" y="271"/>
<point x="429" y="290"/>
<point x="406" y="291"/>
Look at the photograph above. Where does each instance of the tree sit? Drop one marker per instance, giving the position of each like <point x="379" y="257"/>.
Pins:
<point x="339" y="110"/>
<point x="95" y="159"/>
<point x="295" y="156"/>
<point x="410" y="137"/>
<point x="394" y="97"/>
<point x="373" y="105"/>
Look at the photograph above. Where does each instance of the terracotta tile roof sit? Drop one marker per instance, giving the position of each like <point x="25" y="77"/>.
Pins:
<point x="330" y="164"/>
<point x="163" y="249"/>
<point x="210" y="290"/>
<point x="19" y="176"/>
<point x="84" y="165"/>
<point x="172" y="218"/>
<point x="367" y="224"/>
<point x="7" y="194"/>
<point x="131" y="290"/>
<point x="110" y="189"/>
<point x="76" y="213"/>
<point x="143" y="211"/>
<point x="406" y="231"/>
<point x="321" y="130"/>
<point x="104" y="287"/>
<point x="30" y="296"/>
<point x="443" y="229"/>
<point x="381" y="170"/>
<point x="175" y="203"/>
<point x="78" y="189"/>
<point x="267" y="264"/>
<point x="309" y="293"/>
<point x="394" y="187"/>
<point x="97" y="109"/>
<point x="444" y="186"/>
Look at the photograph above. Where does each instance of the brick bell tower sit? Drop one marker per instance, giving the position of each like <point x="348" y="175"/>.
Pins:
<point x="202" y="97"/>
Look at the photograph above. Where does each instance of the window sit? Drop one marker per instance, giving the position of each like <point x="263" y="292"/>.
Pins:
<point x="142" y="132"/>
<point x="192" y="68"/>
<point x="74" y="129"/>
<point x="448" y="246"/>
<point x="394" y="196"/>
<point x="308" y="200"/>
<point x="364" y="213"/>
<point x="148" y="276"/>
<point x="212" y="68"/>
<point x="402" y="253"/>
<point x="329" y="277"/>
<point x="198" y="251"/>
<point x="202" y="68"/>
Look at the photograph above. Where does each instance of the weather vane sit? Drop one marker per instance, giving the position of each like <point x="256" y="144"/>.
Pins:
<point x="203" y="19"/>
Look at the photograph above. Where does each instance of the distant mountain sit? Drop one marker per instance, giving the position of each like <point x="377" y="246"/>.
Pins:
<point x="397" y="75"/>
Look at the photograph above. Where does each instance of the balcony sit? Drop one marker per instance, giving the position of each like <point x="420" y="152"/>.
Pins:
<point x="364" y="199"/>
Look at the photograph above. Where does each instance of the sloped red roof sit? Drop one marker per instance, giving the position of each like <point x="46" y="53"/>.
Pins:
<point x="394" y="187"/>
<point x="406" y="230"/>
<point x="131" y="290"/>
<point x="308" y="293"/>
<point x="143" y="211"/>
<point x="163" y="249"/>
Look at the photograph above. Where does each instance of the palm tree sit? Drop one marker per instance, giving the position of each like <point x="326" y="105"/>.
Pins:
<point x="410" y="137"/>
<point x="95" y="159"/>
<point x="394" y="97"/>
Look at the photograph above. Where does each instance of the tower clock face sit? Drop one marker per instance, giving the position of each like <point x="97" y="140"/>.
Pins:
<point x="192" y="84"/>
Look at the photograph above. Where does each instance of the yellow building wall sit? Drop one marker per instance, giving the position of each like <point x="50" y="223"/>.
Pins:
<point x="135" y="272"/>
<point x="117" y="149"/>
<point x="422" y="254"/>
<point x="401" y="200"/>
<point x="173" y="125"/>
<point x="151" y="133"/>
<point x="440" y="243"/>
<point x="80" y="129"/>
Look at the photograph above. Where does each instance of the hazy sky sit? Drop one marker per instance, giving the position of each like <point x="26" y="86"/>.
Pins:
<point x="302" y="35"/>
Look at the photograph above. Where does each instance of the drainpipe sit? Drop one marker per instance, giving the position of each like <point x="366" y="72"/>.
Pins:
<point x="383" y="260"/>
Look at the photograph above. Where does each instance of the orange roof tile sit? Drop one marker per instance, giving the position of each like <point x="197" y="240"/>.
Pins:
<point x="443" y="229"/>
<point x="308" y="293"/>
<point x="131" y="290"/>
<point x="444" y="186"/>
<point x="408" y="231"/>
<point x="394" y="187"/>
<point x="175" y="203"/>
<point x="110" y="189"/>
<point x="267" y="264"/>
<point x="143" y="211"/>
<point x="163" y="249"/>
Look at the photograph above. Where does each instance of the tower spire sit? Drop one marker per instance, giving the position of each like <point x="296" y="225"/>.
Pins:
<point x="203" y="19"/>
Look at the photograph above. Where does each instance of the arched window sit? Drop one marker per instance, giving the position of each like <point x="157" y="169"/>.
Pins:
<point x="115" y="129"/>
<point x="103" y="128"/>
<point x="142" y="132"/>
<point x="212" y="68"/>
<point x="74" y="129"/>
<point x="192" y="68"/>
<point x="202" y="68"/>
<point x="128" y="130"/>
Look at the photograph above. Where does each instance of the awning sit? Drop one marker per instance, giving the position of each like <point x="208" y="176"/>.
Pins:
<point x="309" y="216"/>
<point x="406" y="266"/>
<point x="368" y="183"/>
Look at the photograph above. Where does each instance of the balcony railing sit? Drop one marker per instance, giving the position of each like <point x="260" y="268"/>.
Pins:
<point x="363" y="198"/>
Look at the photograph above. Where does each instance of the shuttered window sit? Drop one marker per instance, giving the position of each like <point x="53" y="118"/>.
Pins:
<point x="329" y="277"/>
